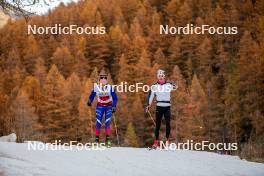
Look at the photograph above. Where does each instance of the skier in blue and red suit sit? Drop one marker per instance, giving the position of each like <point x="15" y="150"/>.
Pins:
<point x="106" y="105"/>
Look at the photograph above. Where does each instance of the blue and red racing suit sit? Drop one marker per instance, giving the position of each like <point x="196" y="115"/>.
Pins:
<point x="106" y="101"/>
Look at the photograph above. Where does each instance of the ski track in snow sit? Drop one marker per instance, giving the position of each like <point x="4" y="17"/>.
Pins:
<point x="17" y="160"/>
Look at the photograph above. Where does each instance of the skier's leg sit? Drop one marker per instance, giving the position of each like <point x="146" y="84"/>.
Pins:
<point x="98" y="123"/>
<point x="167" y="115"/>
<point x="108" y="117"/>
<point x="158" y="121"/>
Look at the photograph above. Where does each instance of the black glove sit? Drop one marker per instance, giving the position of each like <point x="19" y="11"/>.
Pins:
<point x="89" y="103"/>
<point x="113" y="109"/>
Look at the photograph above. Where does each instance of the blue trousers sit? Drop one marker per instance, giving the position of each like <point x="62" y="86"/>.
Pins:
<point x="103" y="111"/>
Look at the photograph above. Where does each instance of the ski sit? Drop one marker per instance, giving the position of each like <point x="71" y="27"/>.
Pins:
<point x="152" y="148"/>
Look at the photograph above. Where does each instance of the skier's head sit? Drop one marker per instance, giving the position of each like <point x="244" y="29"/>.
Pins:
<point x="103" y="77"/>
<point x="161" y="76"/>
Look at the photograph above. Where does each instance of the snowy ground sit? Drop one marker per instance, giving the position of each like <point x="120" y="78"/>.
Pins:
<point x="17" y="160"/>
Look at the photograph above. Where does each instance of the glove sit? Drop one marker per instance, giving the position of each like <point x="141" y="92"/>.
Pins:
<point x="147" y="108"/>
<point x="175" y="86"/>
<point x="89" y="103"/>
<point x="113" y="109"/>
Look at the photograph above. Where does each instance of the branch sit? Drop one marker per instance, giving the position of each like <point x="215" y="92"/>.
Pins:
<point x="17" y="7"/>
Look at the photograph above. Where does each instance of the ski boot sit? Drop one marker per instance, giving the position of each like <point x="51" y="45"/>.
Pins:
<point x="155" y="144"/>
<point x="96" y="139"/>
<point x="96" y="143"/>
<point x="107" y="142"/>
<point x="167" y="143"/>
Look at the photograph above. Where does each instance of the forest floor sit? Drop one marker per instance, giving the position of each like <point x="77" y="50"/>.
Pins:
<point x="17" y="160"/>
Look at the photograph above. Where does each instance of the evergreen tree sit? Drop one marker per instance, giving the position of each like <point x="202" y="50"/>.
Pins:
<point x="249" y="69"/>
<point x="86" y="117"/>
<point x="137" y="114"/>
<point x="131" y="137"/>
<point x="4" y="119"/>
<point x="135" y="29"/>
<point x="85" y="123"/>
<point x="129" y="9"/>
<point x="204" y="59"/>
<point x="215" y="125"/>
<point x="31" y="87"/>
<point x="12" y="61"/>
<point x="55" y="112"/>
<point x="160" y="58"/>
<point x="40" y="71"/>
<point x="116" y="35"/>
<point x="202" y="8"/>
<point x="63" y="60"/>
<point x="48" y="47"/>
<point x="175" y="53"/>
<point x="198" y="116"/>
<point x="155" y="40"/>
<point x="144" y="63"/>
<point x="73" y="93"/>
<point x="12" y="79"/>
<point x="94" y="75"/>
<point x="172" y="8"/>
<point x="32" y="52"/>
<point x="98" y="51"/>
<point x="232" y="114"/>
<point x="123" y="73"/>
<point x="184" y="14"/>
<point x="219" y="15"/>
<point x="25" y="122"/>
<point x="81" y="66"/>
<point x="179" y="101"/>
<point x="88" y="13"/>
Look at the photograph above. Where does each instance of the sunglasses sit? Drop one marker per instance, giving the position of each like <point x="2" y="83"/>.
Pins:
<point x="161" y="76"/>
<point x="103" y="77"/>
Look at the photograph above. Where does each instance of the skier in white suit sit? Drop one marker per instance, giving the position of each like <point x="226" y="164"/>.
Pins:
<point x="161" y="90"/>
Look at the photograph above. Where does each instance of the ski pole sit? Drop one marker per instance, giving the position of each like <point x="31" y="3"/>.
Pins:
<point x="151" y="118"/>
<point x="91" y="122"/>
<point x="117" y="137"/>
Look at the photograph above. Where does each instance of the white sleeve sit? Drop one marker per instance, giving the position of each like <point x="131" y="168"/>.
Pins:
<point x="150" y="96"/>
<point x="173" y="86"/>
<point x="96" y="88"/>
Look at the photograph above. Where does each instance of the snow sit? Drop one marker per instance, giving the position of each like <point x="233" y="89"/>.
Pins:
<point x="9" y="138"/>
<point x="16" y="159"/>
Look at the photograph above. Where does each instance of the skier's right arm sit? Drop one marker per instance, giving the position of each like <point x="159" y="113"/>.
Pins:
<point x="91" y="98"/>
<point x="150" y="99"/>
